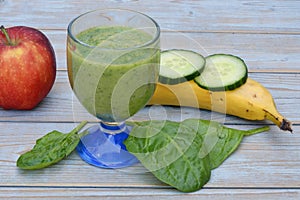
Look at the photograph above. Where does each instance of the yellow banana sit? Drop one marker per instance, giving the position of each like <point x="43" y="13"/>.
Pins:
<point x="251" y="101"/>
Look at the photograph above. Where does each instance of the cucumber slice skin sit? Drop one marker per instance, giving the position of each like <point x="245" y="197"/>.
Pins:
<point x="227" y="87"/>
<point x="172" y="81"/>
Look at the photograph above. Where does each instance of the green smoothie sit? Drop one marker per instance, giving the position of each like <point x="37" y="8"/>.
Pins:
<point x="112" y="72"/>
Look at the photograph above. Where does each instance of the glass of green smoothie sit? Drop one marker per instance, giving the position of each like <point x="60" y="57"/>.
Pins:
<point x="113" y="58"/>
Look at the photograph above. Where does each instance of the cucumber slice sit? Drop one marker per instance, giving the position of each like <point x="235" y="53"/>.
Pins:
<point x="178" y="65"/>
<point x="223" y="72"/>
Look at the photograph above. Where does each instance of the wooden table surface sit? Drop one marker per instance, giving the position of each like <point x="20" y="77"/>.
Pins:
<point x="266" y="34"/>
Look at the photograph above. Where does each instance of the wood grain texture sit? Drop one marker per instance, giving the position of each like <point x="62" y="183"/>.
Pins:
<point x="146" y="194"/>
<point x="207" y="16"/>
<point x="61" y="105"/>
<point x="258" y="162"/>
<point x="266" y="34"/>
<point x="261" y="52"/>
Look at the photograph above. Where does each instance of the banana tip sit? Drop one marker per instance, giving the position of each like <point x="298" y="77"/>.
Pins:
<point x="286" y="125"/>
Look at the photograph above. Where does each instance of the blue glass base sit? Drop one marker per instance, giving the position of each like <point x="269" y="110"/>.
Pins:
<point x="103" y="146"/>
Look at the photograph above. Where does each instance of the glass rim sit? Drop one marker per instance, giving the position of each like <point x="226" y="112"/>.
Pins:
<point x="153" y="40"/>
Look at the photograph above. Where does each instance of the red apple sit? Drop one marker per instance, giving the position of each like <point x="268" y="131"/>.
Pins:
<point x="27" y="67"/>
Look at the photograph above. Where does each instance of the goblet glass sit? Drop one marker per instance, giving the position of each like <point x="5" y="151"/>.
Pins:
<point x="113" y="60"/>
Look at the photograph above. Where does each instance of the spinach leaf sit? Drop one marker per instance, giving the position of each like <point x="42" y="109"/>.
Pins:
<point x="169" y="150"/>
<point x="182" y="154"/>
<point x="219" y="141"/>
<point x="50" y="149"/>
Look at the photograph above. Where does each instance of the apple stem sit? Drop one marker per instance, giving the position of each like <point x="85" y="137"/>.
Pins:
<point x="6" y="35"/>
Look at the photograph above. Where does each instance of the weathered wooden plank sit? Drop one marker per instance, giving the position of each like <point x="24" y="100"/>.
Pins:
<point x="146" y="193"/>
<point x="208" y="16"/>
<point x="266" y="166"/>
<point x="261" y="52"/>
<point x="265" y="160"/>
<point x="62" y="105"/>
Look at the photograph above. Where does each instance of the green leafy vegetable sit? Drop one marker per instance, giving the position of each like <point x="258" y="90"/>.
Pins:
<point x="170" y="156"/>
<point x="50" y="149"/>
<point x="219" y="141"/>
<point x="182" y="154"/>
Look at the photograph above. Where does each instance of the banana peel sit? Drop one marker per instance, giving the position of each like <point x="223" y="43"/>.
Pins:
<point x="251" y="101"/>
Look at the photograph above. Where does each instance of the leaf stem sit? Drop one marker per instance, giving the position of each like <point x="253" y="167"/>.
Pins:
<point x="256" y="130"/>
<point x="79" y="127"/>
<point x="6" y="35"/>
<point x="83" y="133"/>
